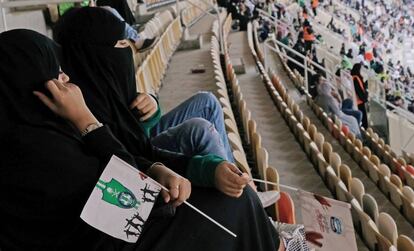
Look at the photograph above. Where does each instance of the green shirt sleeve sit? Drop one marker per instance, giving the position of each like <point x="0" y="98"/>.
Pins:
<point x="201" y="169"/>
<point x="151" y="122"/>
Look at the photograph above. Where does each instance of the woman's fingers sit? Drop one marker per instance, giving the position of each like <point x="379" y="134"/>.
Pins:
<point x="138" y="101"/>
<point x="145" y="109"/>
<point x="174" y="188"/>
<point x="149" y="114"/>
<point x="233" y="192"/>
<point x="46" y="100"/>
<point x="165" y="195"/>
<point x="184" y="193"/>
<point x="53" y="89"/>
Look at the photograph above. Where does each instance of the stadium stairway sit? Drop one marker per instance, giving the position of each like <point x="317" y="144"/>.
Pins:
<point x="284" y="151"/>
<point x="179" y="83"/>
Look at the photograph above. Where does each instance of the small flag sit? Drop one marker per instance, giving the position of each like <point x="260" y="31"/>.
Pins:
<point x="121" y="201"/>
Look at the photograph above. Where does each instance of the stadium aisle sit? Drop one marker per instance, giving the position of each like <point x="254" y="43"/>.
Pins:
<point x="179" y="84"/>
<point x="384" y="204"/>
<point x="285" y="153"/>
<point x="276" y="134"/>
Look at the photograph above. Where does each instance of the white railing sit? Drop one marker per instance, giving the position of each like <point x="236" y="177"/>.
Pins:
<point x="336" y="82"/>
<point x="23" y="3"/>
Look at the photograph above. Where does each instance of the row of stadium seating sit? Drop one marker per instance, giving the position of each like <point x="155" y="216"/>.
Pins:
<point x="229" y="92"/>
<point x="367" y="158"/>
<point x="337" y="177"/>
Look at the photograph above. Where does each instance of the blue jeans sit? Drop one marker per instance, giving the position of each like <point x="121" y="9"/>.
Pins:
<point x="195" y="127"/>
<point x="347" y="108"/>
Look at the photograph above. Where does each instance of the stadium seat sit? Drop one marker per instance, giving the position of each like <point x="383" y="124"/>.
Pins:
<point x="387" y="227"/>
<point x="404" y="243"/>
<point x="357" y="189"/>
<point x="370" y="207"/>
<point x="286" y="209"/>
<point x="345" y="175"/>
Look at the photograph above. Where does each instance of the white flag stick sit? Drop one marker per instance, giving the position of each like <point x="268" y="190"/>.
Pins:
<point x="211" y="219"/>
<point x="203" y="214"/>
<point x="275" y="184"/>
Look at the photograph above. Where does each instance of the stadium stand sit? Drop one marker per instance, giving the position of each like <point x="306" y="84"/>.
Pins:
<point x="275" y="128"/>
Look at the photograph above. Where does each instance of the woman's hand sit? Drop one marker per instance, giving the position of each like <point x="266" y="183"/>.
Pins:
<point x="67" y="102"/>
<point x="230" y="180"/>
<point x="146" y="105"/>
<point x="180" y="188"/>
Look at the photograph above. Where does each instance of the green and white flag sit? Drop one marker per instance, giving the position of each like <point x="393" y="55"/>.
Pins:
<point x="121" y="201"/>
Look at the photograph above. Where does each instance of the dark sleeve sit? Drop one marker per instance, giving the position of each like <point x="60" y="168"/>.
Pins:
<point x="175" y="161"/>
<point x="103" y="144"/>
<point x="359" y="92"/>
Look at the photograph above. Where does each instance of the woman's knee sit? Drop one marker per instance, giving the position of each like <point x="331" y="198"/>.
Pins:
<point x="207" y="98"/>
<point x="198" y="125"/>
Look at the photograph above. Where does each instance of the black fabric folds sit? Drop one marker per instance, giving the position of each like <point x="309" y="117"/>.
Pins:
<point x="122" y="7"/>
<point x="24" y="69"/>
<point x="45" y="169"/>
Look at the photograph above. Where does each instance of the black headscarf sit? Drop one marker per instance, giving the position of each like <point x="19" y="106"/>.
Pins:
<point x="106" y="77"/>
<point x="356" y="70"/>
<point x="27" y="61"/>
<point x="121" y="6"/>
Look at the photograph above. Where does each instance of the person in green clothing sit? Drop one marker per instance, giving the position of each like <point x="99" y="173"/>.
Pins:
<point x="287" y="40"/>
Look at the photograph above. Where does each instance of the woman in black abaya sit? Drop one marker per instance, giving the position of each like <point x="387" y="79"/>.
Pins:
<point x="47" y="171"/>
<point x="106" y="76"/>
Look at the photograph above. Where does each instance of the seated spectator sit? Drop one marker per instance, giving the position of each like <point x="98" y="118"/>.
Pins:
<point x="142" y="44"/>
<point x="313" y="85"/>
<point x="287" y="40"/>
<point x="348" y="108"/>
<point x="195" y="127"/>
<point x="55" y="170"/>
<point x="332" y="107"/>
<point x="342" y="51"/>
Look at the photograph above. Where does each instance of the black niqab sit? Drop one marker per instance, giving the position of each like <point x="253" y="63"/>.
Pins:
<point x="106" y="77"/>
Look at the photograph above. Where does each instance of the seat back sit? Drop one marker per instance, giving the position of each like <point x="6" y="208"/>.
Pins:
<point x="345" y="175"/>
<point x="408" y="192"/>
<point x="375" y="160"/>
<point x="357" y="189"/>
<point x="335" y="162"/>
<point x="396" y="181"/>
<point x="262" y="162"/>
<point x="383" y="244"/>
<point x="387" y="227"/>
<point x="404" y="243"/>
<point x="306" y="123"/>
<point x="286" y="209"/>
<point x="370" y="206"/>
<point x="312" y="131"/>
<point x="319" y="140"/>
<point x="326" y="150"/>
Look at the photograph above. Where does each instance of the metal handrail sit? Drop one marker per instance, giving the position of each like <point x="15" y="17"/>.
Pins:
<point x="23" y="3"/>
<point x="304" y="65"/>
